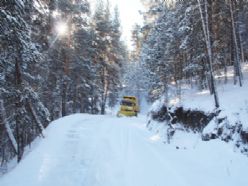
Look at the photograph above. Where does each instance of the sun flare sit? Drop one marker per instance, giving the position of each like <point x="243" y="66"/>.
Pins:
<point x="61" y="28"/>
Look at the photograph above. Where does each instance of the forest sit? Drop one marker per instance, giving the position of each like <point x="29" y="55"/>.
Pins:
<point x="190" y="42"/>
<point x="58" y="57"/>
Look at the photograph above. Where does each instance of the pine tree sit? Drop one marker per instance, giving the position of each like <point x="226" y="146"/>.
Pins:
<point x="20" y="59"/>
<point x="107" y="54"/>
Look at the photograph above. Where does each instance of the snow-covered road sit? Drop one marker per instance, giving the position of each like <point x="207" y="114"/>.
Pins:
<point x="84" y="150"/>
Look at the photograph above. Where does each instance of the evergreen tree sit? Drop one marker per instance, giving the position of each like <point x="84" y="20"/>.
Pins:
<point x="22" y="109"/>
<point x="108" y="56"/>
<point x="177" y="47"/>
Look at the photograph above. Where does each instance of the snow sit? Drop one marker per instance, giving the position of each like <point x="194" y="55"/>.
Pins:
<point x="109" y="151"/>
<point x="157" y="104"/>
<point x="210" y="128"/>
<point x="233" y="99"/>
<point x="40" y="7"/>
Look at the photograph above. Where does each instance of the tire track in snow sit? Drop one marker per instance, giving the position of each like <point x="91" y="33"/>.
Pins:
<point x="84" y="150"/>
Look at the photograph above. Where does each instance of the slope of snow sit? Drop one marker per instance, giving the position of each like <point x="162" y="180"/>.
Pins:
<point x="108" y="151"/>
<point x="233" y="99"/>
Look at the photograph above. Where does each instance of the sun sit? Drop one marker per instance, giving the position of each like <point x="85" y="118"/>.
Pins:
<point x="61" y="28"/>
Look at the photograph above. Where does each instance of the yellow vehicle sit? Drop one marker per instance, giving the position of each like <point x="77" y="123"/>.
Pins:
<point x="129" y="106"/>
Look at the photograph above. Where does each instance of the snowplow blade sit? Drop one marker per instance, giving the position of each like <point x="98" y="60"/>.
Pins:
<point x="126" y="113"/>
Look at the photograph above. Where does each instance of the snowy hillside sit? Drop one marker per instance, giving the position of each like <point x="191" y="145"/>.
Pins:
<point x="108" y="151"/>
<point x="230" y="124"/>
<point x="233" y="99"/>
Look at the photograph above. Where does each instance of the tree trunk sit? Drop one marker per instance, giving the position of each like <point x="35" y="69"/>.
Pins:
<point x="237" y="67"/>
<point x="241" y="49"/>
<point x="206" y="31"/>
<point x="36" y="118"/>
<point x="64" y="98"/>
<point x="7" y="127"/>
<point x="225" y="70"/>
<point x="19" y="133"/>
<point x="105" y="85"/>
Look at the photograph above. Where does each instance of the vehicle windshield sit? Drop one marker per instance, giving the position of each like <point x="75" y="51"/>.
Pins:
<point x="127" y="103"/>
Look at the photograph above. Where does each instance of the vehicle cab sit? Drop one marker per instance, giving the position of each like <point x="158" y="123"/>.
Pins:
<point x="128" y="106"/>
